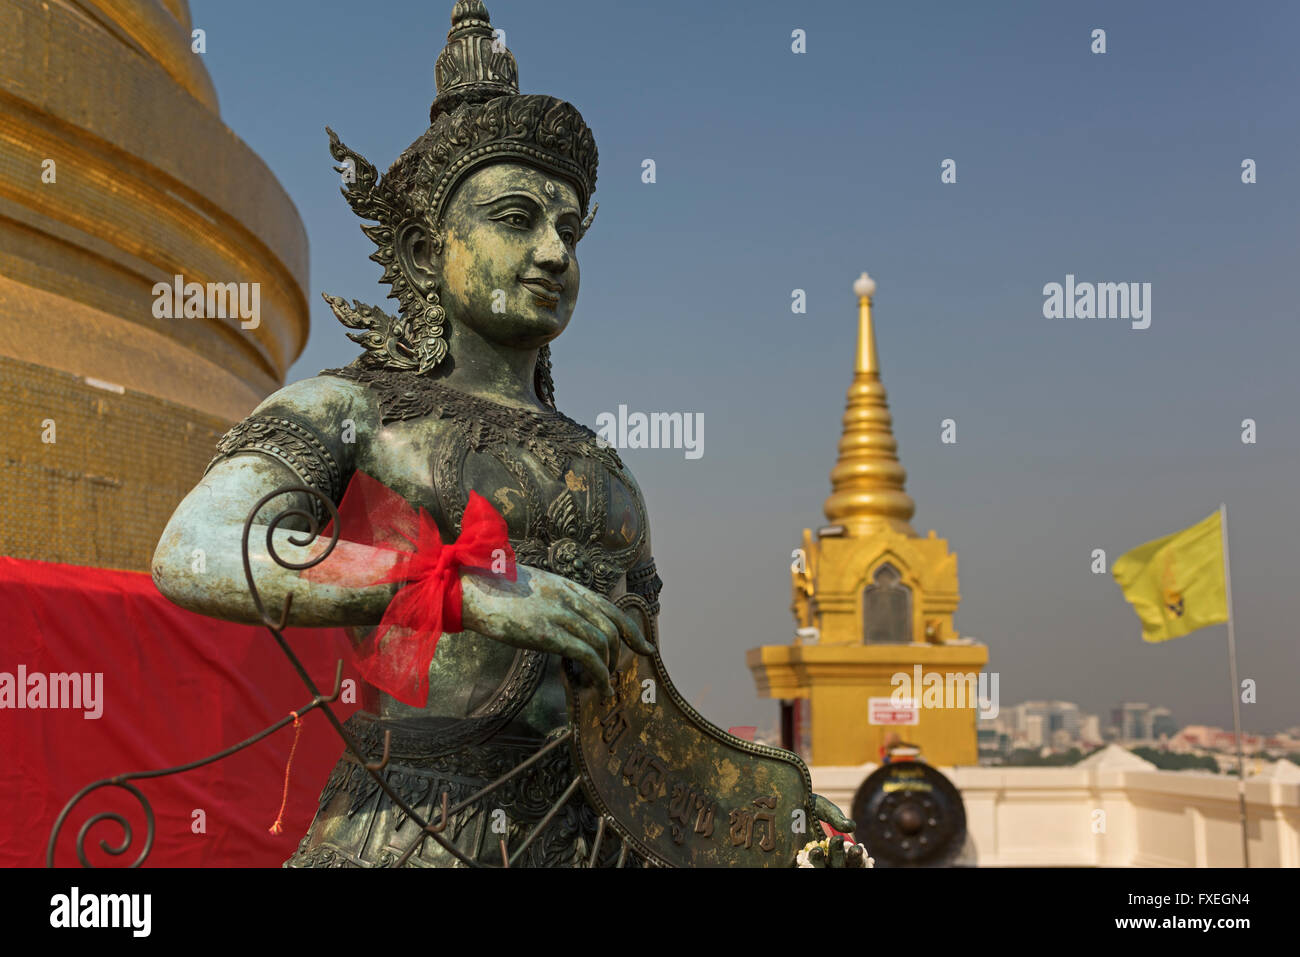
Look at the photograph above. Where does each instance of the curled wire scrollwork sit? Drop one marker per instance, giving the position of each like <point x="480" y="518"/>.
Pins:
<point x="122" y="822"/>
<point x="122" y="779"/>
<point x="307" y="538"/>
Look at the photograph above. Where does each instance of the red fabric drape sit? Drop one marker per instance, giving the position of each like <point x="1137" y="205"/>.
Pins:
<point x="176" y="687"/>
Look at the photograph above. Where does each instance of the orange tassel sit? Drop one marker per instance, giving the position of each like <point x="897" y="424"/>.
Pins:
<point x="278" y="826"/>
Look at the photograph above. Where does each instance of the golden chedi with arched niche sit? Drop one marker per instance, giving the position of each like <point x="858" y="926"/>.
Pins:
<point x="872" y="600"/>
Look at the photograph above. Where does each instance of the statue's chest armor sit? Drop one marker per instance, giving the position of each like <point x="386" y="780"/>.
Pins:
<point x="569" y="506"/>
<point x="585" y="523"/>
<point x="588" y="519"/>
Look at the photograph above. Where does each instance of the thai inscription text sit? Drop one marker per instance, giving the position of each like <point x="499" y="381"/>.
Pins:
<point x="692" y="811"/>
<point x="746" y="824"/>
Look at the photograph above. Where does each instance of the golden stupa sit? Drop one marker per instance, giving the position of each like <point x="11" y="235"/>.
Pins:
<point x="872" y="600"/>
<point x="117" y="174"/>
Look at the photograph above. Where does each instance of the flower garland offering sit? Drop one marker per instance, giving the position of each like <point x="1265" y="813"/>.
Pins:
<point x="851" y="852"/>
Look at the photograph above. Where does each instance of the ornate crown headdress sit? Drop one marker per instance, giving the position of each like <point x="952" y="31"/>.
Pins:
<point x="478" y="117"/>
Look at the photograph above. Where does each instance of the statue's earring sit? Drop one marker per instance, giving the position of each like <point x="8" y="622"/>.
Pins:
<point x="425" y="332"/>
<point x="416" y="340"/>
<point x="428" y="328"/>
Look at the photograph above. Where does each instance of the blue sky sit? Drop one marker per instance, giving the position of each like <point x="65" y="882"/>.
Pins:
<point x="778" y="171"/>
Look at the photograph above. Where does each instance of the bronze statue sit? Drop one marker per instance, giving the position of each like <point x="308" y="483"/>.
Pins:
<point x="476" y="227"/>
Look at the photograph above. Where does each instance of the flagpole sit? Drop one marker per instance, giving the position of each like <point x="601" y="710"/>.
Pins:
<point x="1232" y="675"/>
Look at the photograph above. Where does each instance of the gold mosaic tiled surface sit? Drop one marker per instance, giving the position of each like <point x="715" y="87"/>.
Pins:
<point x="102" y="491"/>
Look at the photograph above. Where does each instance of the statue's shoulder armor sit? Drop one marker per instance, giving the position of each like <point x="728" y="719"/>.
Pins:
<point x="311" y="428"/>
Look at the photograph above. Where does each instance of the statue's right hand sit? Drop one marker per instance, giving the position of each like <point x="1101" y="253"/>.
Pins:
<point x="546" y="612"/>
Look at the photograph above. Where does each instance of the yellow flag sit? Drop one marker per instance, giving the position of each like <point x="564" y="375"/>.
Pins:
<point x="1175" y="584"/>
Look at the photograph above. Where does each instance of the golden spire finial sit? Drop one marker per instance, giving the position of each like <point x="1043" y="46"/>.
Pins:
<point x="867" y="480"/>
<point x="865" y="287"/>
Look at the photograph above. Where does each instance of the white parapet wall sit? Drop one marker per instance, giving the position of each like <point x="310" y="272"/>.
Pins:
<point x="1113" y="812"/>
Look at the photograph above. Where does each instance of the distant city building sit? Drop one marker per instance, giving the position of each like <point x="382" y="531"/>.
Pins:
<point x="1161" y="724"/>
<point x="993" y="739"/>
<point x="1035" y="728"/>
<point x="1133" y="722"/>
<point x="1061" y="725"/>
<point x="1204" y="738"/>
<point x="1039" y="723"/>
<point x="1090" y="731"/>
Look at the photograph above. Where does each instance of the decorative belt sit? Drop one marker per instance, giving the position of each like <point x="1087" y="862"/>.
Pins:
<point x="427" y="742"/>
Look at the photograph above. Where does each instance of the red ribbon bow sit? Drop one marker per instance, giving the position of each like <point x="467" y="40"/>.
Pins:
<point x="379" y="528"/>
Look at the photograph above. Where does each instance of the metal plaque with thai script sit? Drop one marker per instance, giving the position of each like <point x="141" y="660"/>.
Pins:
<point x="682" y="791"/>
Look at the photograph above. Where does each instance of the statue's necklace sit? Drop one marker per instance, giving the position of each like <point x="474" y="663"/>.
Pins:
<point x="550" y="436"/>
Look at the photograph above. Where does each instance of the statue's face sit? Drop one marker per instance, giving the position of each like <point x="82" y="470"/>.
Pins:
<point x="509" y="268"/>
